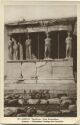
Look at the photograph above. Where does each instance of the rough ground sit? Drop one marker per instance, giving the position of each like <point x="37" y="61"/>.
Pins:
<point x="39" y="103"/>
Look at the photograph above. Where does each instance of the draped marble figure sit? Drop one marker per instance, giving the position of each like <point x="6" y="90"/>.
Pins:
<point x="68" y="42"/>
<point x="15" y="49"/>
<point x="47" y="46"/>
<point x="28" y="48"/>
<point x="10" y="49"/>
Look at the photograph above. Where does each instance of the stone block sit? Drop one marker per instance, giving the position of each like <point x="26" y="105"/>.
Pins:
<point x="54" y="101"/>
<point x="29" y="70"/>
<point x="44" y="70"/>
<point x="13" y="70"/>
<point x="32" y="101"/>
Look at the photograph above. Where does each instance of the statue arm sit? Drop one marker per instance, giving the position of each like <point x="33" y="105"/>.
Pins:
<point x="9" y="44"/>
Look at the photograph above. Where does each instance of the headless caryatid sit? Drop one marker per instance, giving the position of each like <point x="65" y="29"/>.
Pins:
<point x="47" y="46"/>
<point x="68" y="42"/>
<point x="10" y="49"/>
<point x="28" y="48"/>
<point x="15" y="49"/>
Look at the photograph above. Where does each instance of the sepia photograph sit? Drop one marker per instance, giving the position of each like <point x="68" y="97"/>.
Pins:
<point x="40" y="60"/>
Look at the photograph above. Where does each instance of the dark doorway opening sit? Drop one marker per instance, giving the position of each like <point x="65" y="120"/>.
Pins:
<point x="54" y="44"/>
<point x="34" y="43"/>
<point x="62" y="44"/>
<point x="58" y="46"/>
<point x="74" y="53"/>
<point x="37" y="44"/>
<point x="42" y="37"/>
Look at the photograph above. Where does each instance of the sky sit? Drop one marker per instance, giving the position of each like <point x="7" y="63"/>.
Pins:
<point x="30" y="12"/>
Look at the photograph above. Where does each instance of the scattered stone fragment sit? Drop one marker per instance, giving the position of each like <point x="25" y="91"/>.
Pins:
<point x="20" y="110"/>
<point x="6" y="101"/>
<point x="54" y="101"/>
<point x="13" y="102"/>
<point x="21" y="101"/>
<point x="43" y="101"/>
<point x="66" y="102"/>
<point x="53" y="113"/>
<point x="22" y="115"/>
<point x="64" y="98"/>
<point x="32" y="101"/>
<point x="67" y="111"/>
<point x="73" y="108"/>
<point x="40" y="112"/>
<point x="31" y="111"/>
<point x="9" y="111"/>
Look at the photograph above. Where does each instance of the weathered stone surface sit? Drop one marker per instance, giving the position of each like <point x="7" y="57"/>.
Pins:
<point x="21" y="101"/>
<point x="43" y="101"/>
<point x="62" y="62"/>
<point x="56" y="75"/>
<point x="13" y="102"/>
<point x="21" y="110"/>
<point x="66" y="111"/>
<point x="57" y="86"/>
<point x="54" y="101"/>
<point x="62" y="72"/>
<point x="65" y="102"/>
<point x="31" y="111"/>
<point x="32" y="101"/>
<point x="9" y="111"/>
<point x="22" y="115"/>
<point x="39" y="107"/>
<point x="73" y="108"/>
<point x="64" y="98"/>
<point x="29" y="70"/>
<point x="44" y="70"/>
<point x="13" y="70"/>
<point x="40" y="112"/>
<point x="53" y="113"/>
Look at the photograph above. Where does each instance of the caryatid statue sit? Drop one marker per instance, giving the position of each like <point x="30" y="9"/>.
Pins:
<point x="28" y="48"/>
<point x="10" y="49"/>
<point x="15" y="49"/>
<point x="68" y="42"/>
<point x="47" y="46"/>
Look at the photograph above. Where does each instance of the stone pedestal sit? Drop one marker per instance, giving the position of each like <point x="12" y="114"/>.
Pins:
<point x="55" y="75"/>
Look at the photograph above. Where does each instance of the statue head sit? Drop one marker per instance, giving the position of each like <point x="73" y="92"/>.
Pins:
<point x="14" y="41"/>
<point x="69" y="33"/>
<point x="11" y="38"/>
<point x="28" y="36"/>
<point x="47" y="34"/>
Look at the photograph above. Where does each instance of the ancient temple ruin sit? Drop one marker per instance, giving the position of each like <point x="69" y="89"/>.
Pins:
<point x="42" y="54"/>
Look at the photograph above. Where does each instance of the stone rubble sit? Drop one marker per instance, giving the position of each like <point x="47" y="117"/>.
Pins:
<point x="40" y="104"/>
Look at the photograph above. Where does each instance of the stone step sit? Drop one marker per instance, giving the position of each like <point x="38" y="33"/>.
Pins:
<point x="57" y="86"/>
